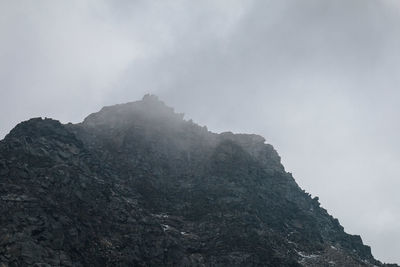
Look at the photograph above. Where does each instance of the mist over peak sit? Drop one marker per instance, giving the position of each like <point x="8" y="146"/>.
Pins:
<point x="138" y="173"/>
<point x="149" y="108"/>
<point x="318" y="79"/>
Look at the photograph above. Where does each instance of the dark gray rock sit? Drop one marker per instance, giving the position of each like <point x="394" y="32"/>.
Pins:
<point x="136" y="185"/>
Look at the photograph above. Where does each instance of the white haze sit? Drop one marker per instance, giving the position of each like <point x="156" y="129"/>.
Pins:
<point x="319" y="79"/>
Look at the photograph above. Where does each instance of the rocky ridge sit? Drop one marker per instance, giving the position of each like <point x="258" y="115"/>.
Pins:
<point x="137" y="185"/>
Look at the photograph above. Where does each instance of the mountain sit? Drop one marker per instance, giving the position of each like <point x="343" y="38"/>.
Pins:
<point x="137" y="185"/>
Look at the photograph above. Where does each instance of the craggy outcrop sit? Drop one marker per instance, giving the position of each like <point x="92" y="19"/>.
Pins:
<point x="137" y="185"/>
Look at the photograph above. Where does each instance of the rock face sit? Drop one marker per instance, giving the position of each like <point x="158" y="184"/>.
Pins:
<point x="137" y="185"/>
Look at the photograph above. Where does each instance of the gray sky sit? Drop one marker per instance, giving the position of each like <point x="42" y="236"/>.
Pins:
<point x="319" y="79"/>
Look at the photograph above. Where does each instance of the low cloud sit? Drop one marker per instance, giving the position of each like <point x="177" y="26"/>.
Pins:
<point x="317" y="78"/>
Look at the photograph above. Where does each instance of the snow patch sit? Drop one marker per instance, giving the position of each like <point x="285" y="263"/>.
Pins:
<point x="305" y="256"/>
<point x="162" y="215"/>
<point x="165" y="227"/>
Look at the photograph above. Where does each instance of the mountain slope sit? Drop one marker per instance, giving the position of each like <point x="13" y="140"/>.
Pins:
<point x="136" y="185"/>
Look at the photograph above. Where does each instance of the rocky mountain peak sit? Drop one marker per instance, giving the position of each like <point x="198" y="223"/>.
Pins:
<point x="149" y="109"/>
<point x="137" y="185"/>
<point x="153" y="99"/>
<point x="39" y="128"/>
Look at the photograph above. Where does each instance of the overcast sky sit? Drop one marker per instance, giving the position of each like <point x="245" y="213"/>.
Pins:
<point x="319" y="79"/>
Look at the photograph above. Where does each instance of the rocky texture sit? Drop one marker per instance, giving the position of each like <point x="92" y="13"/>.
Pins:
<point x="136" y="185"/>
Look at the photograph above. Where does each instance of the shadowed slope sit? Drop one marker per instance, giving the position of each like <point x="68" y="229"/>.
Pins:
<point x="137" y="185"/>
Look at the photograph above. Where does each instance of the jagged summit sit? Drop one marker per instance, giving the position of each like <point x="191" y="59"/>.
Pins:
<point x="152" y="111"/>
<point x="40" y="128"/>
<point x="137" y="185"/>
<point x="150" y="98"/>
<point x="149" y="108"/>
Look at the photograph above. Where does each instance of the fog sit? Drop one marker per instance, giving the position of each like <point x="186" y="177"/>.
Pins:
<point x="317" y="78"/>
